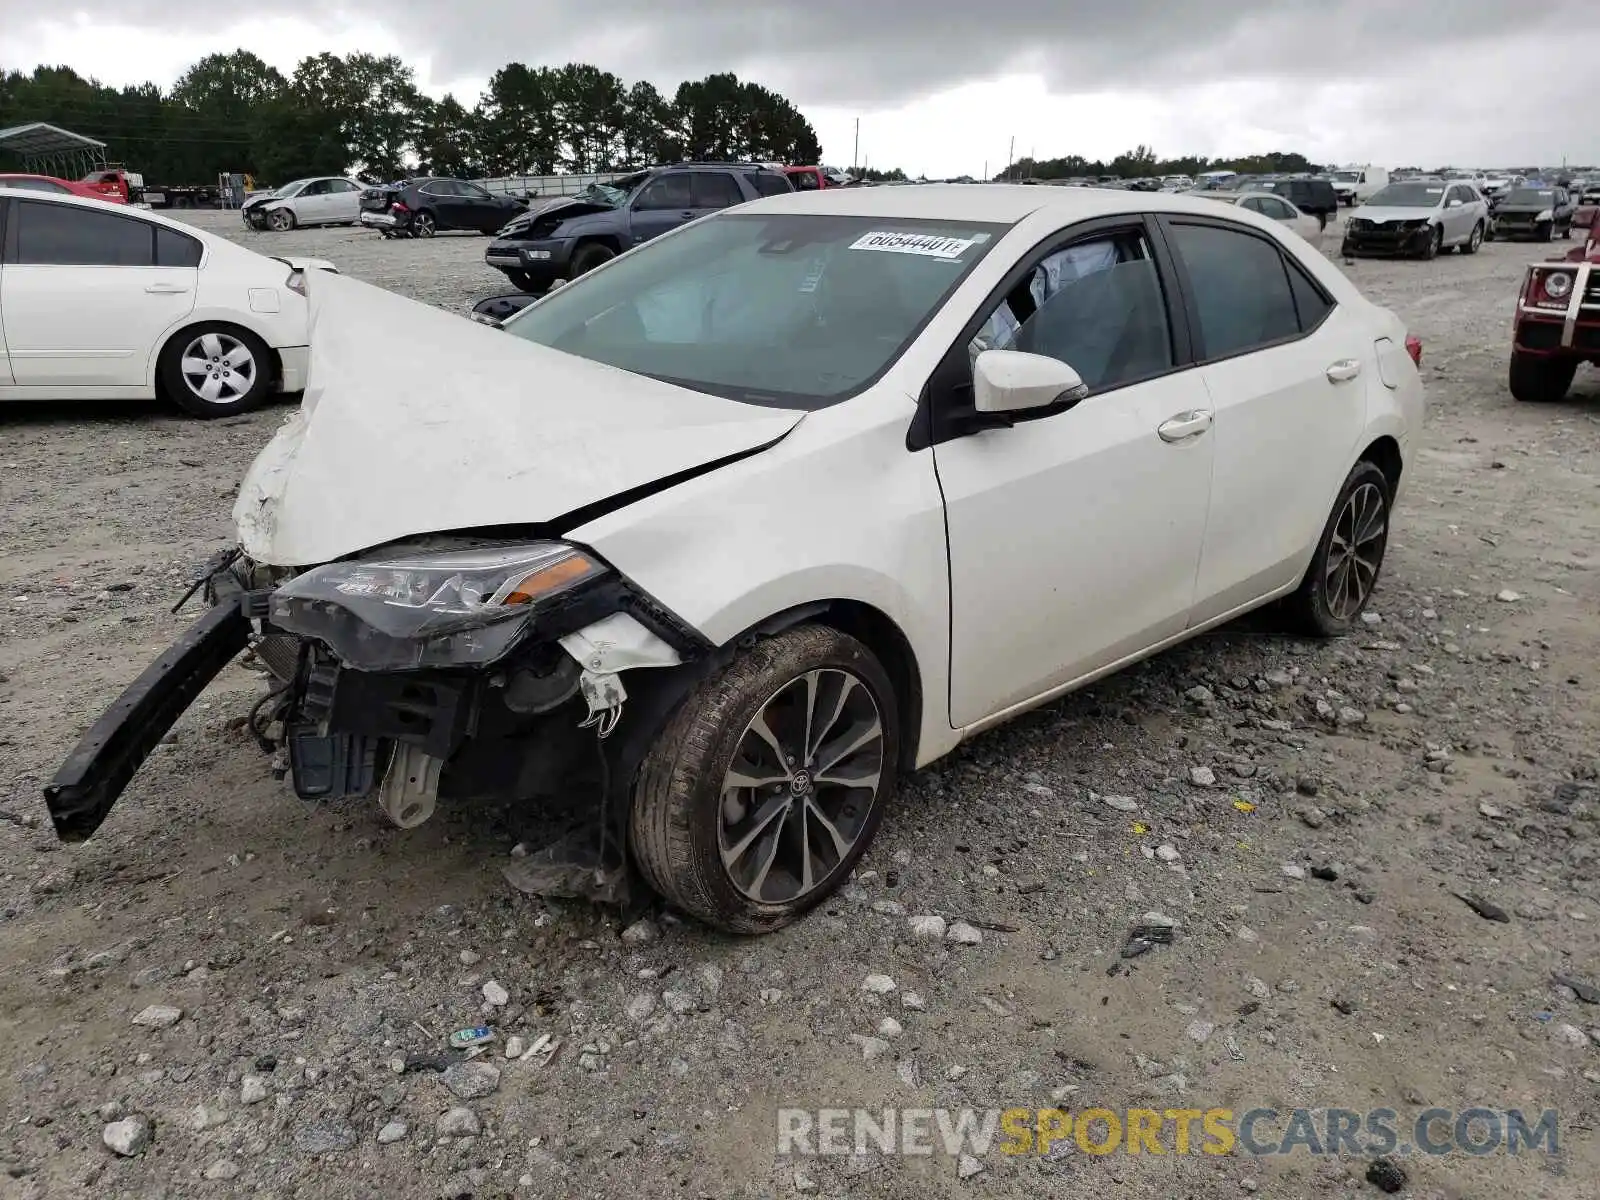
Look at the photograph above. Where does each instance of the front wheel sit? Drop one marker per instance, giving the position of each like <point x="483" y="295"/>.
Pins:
<point x="1546" y="231"/>
<point x="1435" y="243"/>
<point x="768" y="784"/>
<point x="521" y="280"/>
<point x="589" y="257"/>
<point x="1536" y="380"/>
<point x="216" y="370"/>
<point x="280" y="220"/>
<point x="1344" y="569"/>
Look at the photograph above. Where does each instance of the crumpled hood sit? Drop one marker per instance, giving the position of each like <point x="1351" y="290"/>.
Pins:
<point x="562" y="208"/>
<point x="418" y="421"/>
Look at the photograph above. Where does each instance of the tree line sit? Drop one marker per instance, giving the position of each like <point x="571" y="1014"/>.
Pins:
<point x="334" y="115"/>
<point x="1142" y="163"/>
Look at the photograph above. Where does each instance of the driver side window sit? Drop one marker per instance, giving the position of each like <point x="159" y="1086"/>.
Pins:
<point x="1095" y="305"/>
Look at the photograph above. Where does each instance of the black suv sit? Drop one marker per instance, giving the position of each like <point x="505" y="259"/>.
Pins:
<point x="1314" y="196"/>
<point x="565" y="237"/>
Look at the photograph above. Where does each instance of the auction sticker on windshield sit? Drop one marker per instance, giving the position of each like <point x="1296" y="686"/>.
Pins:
<point x="925" y="244"/>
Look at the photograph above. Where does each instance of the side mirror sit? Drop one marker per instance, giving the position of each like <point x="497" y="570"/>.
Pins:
<point x="497" y="310"/>
<point x="1008" y="381"/>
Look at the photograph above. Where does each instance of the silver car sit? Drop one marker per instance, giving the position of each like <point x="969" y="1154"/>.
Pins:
<point x="1419" y="217"/>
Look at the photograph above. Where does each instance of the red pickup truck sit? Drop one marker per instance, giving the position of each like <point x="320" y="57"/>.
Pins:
<point x="811" y="179"/>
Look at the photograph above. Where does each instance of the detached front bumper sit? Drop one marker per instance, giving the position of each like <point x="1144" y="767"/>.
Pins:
<point x="501" y="728"/>
<point x="100" y="766"/>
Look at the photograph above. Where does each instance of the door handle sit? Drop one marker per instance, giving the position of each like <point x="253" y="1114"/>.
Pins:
<point x="1344" y="370"/>
<point x="165" y="289"/>
<point x="1184" y="426"/>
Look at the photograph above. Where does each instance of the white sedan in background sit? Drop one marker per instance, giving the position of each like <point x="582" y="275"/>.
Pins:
<point x="123" y="304"/>
<point x="783" y="504"/>
<point x="323" y="200"/>
<point x="1274" y="208"/>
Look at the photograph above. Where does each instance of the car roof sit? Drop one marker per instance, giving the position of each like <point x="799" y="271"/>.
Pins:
<point x="1000" y="203"/>
<point x="123" y="210"/>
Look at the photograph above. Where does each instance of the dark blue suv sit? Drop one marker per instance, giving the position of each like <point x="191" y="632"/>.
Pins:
<point x="566" y="237"/>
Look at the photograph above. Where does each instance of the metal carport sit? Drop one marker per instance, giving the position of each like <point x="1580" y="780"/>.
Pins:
<point x="49" y="150"/>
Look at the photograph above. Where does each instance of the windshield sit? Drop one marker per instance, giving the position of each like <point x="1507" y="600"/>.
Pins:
<point x="290" y="189"/>
<point x="603" y="193"/>
<point x="1408" y="195"/>
<point x="1347" y="176"/>
<point x="1530" y="196"/>
<point x="784" y="310"/>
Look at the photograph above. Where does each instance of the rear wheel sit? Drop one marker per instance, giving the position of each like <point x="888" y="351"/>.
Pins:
<point x="1537" y="380"/>
<point x="1344" y="569"/>
<point x="768" y="784"/>
<point x="423" y="225"/>
<point x="216" y="370"/>
<point x="589" y="257"/>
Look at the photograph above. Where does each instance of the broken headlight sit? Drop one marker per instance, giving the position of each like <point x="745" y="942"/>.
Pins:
<point x="450" y="609"/>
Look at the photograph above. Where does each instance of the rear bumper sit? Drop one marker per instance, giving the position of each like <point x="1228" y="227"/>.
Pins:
<point x="296" y="362"/>
<point x="379" y="220"/>
<point x="93" y="776"/>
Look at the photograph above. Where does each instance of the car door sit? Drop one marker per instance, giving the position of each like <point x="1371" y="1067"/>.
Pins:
<point x="664" y="203"/>
<point x="1074" y="535"/>
<point x="86" y="294"/>
<point x="1286" y="372"/>
<point x="313" y="206"/>
<point x="713" y="191"/>
<point x="344" y="202"/>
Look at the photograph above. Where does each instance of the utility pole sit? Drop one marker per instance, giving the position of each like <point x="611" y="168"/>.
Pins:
<point x="1011" y="155"/>
<point x="984" y="178"/>
<point x="855" y="155"/>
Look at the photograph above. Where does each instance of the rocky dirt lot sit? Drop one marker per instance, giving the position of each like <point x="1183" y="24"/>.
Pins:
<point x="254" y="996"/>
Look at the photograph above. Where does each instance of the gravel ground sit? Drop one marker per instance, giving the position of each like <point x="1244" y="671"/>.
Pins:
<point x="1306" y="813"/>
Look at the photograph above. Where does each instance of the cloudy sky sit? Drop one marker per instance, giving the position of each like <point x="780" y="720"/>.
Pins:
<point x="944" y="86"/>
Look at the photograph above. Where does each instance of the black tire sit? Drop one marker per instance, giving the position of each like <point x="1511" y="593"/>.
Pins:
<point x="590" y="256"/>
<point x="1535" y="380"/>
<point x="679" y="799"/>
<point x="1566" y="232"/>
<point x="522" y="281"/>
<point x="1346" y="250"/>
<point x="175" y="381"/>
<point x="1546" y="231"/>
<point x="424" y="224"/>
<point x="1310" y="610"/>
<point x="1435" y="243"/>
<point x="1470" y="246"/>
<point x="281" y="220"/>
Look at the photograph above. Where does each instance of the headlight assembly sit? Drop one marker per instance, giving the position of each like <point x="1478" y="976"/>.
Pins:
<point x="455" y="608"/>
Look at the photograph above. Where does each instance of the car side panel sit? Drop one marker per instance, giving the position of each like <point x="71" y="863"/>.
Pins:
<point x="838" y="510"/>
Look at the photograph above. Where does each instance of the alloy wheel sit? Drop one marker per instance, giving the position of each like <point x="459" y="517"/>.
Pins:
<point x="423" y="225"/>
<point x="281" y="220"/>
<point x="1356" y="551"/>
<point x="218" y="368"/>
<point x="805" y="777"/>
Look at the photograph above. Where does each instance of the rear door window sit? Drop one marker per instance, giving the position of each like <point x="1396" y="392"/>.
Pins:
<point x="66" y="235"/>
<point x="667" y="191"/>
<point x="716" y="189"/>
<point x="1239" y="288"/>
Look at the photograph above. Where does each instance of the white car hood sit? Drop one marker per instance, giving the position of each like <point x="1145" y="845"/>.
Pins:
<point x="418" y="421"/>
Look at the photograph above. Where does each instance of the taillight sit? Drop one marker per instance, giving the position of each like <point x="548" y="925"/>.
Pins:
<point x="398" y="207"/>
<point x="1414" y="348"/>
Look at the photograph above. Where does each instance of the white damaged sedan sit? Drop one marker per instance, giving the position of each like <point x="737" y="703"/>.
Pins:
<point x="755" y="518"/>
